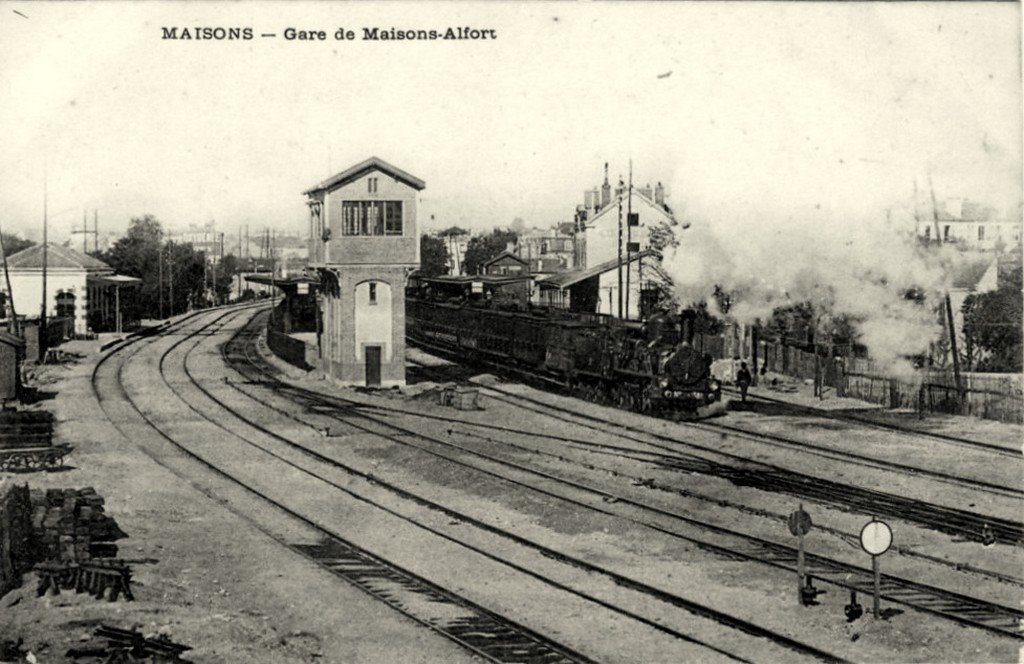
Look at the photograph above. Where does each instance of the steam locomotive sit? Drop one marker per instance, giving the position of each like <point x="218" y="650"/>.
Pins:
<point x="649" y="367"/>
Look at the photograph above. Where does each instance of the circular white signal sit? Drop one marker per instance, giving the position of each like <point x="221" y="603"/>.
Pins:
<point x="876" y="537"/>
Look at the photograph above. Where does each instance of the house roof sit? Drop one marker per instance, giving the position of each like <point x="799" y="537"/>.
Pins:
<point x="969" y="275"/>
<point x="505" y="254"/>
<point x="637" y="194"/>
<point x="364" y="167"/>
<point x="57" y="257"/>
<point x="566" y="279"/>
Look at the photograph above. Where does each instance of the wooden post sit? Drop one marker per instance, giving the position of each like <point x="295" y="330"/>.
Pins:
<point x="800" y="571"/>
<point x="878" y="586"/>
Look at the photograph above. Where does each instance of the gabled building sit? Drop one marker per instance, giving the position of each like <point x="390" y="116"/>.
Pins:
<point x="595" y="290"/>
<point x="605" y="212"/>
<point x="506" y="264"/>
<point x="363" y="244"/>
<point x="78" y="286"/>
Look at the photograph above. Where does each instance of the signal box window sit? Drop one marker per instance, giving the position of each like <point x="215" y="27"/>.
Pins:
<point x="371" y="218"/>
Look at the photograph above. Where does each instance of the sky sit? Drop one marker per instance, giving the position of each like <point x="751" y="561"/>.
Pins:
<point x="770" y="112"/>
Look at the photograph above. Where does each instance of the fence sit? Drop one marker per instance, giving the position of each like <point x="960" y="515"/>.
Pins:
<point x="293" y="351"/>
<point x="58" y="329"/>
<point x="989" y="396"/>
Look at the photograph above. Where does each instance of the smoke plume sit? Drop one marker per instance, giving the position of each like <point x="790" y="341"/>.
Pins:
<point x="860" y="268"/>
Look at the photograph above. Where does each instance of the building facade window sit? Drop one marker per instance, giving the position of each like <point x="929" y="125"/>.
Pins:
<point x="371" y="218"/>
<point x="371" y="185"/>
<point x="373" y="292"/>
<point x="945" y="232"/>
<point x="981" y="233"/>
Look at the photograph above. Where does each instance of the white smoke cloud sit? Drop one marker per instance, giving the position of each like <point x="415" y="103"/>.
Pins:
<point x="860" y="267"/>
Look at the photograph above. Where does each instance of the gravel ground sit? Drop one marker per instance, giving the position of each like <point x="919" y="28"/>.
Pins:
<point x="202" y="574"/>
<point x="913" y="636"/>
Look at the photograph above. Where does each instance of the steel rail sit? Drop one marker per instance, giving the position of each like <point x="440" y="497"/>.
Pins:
<point x="954" y="606"/>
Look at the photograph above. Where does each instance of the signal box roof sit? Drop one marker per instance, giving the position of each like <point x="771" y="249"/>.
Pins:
<point x="361" y="169"/>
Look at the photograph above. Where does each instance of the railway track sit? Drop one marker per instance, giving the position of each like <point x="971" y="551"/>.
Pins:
<point x="771" y="641"/>
<point x="936" y="601"/>
<point x="741" y="470"/>
<point x="887" y="426"/>
<point x="483" y="632"/>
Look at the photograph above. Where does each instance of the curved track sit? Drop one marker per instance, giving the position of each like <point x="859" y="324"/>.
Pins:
<point x="490" y="636"/>
<point x="953" y="606"/>
<point x="494" y="636"/>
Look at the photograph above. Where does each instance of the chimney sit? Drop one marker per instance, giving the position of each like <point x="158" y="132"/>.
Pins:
<point x="606" y="189"/>
<point x="659" y="195"/>
<point x="589" y="199"/>
<point x="647" y="191"/>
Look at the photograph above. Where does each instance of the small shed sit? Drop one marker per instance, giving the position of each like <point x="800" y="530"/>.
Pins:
<point x="506" y="264"/>
<point x="12" y="352"/>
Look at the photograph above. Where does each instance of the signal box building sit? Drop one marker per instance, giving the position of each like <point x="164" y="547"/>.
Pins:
<point x="364" y="242"/>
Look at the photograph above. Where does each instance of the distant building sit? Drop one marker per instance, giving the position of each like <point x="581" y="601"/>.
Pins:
<point x="506" y="264"/>
<point x="971" y="224"/>
<point x="455" y="244"/>
<point x="364" y="242"/>
<point x="78" y="286"/>
<point x="548" y="250"/>
<point x="206" y="239"/>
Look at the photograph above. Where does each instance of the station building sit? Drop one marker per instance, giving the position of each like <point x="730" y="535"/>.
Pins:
<point x="78" y="287"/>
<point x="364" y="243"/>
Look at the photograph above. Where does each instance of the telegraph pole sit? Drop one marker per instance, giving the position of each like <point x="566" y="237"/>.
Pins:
<point x="42" y="312"/>
<point x="629" y="234"/>
<point x="160" y="278"/>
<point x="12" y="323"/>
<point x="619" y="197"/>
<point x="170" y="275"/>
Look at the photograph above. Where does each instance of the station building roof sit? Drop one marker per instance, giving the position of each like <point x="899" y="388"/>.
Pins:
<point x="566" y="279"/>
<point x="57" y="258"/>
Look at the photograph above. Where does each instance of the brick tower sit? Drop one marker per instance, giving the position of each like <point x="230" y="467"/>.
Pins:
<point x="364" y="242"/>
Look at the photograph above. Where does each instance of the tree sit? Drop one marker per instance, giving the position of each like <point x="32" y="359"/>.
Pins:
<point x="164" y="268"/>
<point x="137" y="254"/>
<point x="452" y="231"/>
<point x="13" y="243"/>
<point x="992" y="327"/>
<point x="433" y="256"/>
<point x="483" y="248"/>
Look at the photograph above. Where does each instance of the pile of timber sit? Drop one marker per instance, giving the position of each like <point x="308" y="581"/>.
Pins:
<point x="67" y="524"/>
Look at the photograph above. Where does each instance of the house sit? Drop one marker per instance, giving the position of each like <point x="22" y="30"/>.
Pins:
<point x="595" y="290"/>
<point x="548" y="250"/>
<point x="971" y="224"/>
<point x="605" y="229"/>
<point x="78" y="287"/>
<point x="364" y="243"/>
<point x="977" y="275"/>
<point x="506" y="264"/>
